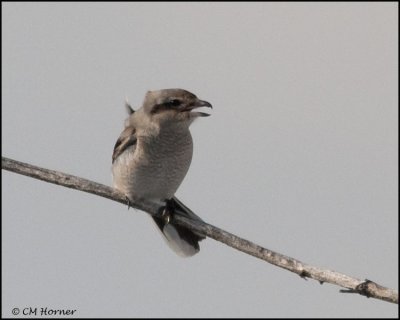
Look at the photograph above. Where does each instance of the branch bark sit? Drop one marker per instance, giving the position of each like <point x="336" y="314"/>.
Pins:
<point x="366" y="287"/>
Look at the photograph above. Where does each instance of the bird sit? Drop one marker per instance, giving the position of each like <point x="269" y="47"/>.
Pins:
<point x="152" y="156"/>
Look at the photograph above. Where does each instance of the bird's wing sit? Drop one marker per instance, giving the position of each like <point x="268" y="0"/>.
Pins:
<point x="126" y="139"/>
<point x="128" y="107"/>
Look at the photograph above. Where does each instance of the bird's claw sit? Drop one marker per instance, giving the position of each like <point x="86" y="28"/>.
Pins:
<point x="168" y="211"/>
<point x="128" y="202"/>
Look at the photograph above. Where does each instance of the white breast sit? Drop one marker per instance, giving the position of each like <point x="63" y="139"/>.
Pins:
<point x="155" y="167"/>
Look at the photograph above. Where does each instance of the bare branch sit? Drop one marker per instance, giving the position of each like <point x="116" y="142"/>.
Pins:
<point x="363" y="287"/>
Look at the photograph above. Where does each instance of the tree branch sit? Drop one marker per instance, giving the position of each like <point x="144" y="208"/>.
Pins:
<point x="363" y="287"/>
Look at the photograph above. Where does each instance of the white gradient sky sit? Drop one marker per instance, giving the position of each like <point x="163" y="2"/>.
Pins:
<point x="300" y="155"/>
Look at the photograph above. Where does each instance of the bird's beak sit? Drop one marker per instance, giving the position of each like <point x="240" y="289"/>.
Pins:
<point x="202" y="103"/>
<point x="199" y="104"/>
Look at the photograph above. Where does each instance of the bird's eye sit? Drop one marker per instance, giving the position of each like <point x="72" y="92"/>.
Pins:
<point x="174" y="102"/>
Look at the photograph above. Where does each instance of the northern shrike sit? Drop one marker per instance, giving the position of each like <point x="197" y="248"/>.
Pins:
<point x="153" y="154"/>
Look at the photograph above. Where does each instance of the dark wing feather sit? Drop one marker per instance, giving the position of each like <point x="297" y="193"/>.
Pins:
<point x="125" y="140"/>
<point x="129" y="108"/>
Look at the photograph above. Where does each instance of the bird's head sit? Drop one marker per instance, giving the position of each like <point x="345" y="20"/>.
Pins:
<point x="173" y="105"/>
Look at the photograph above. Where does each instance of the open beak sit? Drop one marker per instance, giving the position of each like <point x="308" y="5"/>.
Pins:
<point x="199" y="104"/>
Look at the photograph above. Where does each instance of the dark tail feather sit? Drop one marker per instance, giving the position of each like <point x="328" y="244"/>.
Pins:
<point x="182" y="240"/>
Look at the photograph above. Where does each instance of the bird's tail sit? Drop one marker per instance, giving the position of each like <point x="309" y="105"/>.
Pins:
<point x="183" y="241"/>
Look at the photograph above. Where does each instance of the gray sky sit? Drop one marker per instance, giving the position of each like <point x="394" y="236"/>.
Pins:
<point x="300" y="155"/>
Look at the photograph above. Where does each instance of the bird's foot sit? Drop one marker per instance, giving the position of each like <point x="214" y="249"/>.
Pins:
<point x="167" y="211"/>
<point x="128" y="202"/>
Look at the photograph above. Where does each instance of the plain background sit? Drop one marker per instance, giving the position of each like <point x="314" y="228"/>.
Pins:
<point x="300" y="155"/>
